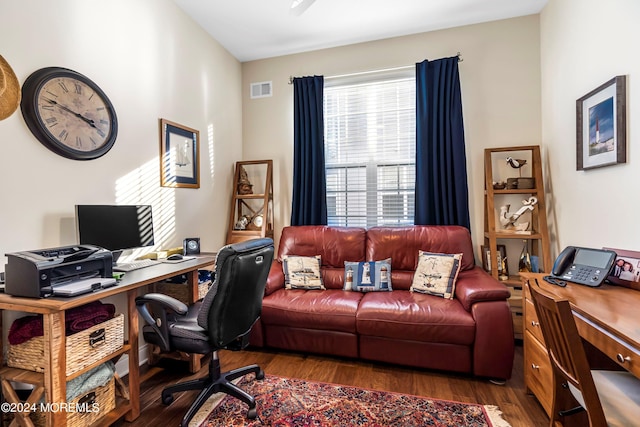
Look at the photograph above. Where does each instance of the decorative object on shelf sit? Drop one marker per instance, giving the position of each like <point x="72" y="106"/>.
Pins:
<point x="179" y="155"/>
<point x="508" y="221"/>
<point x="512" y="183"/>
<point x="502" y="274"/>
<point x="526" y="183"/>
<point x="524" y="263"/>
<point x="191" y="245"/>
<point x="500" y="258"/>
<point x="499" y="185"/>
<point x="244" y="185"/>
<point x="242" y="222"/>
<point x="68" y="113"/>
<point x="516" y="163"/>
<point x="9" y="90"/>
<point x="601" y="126"/>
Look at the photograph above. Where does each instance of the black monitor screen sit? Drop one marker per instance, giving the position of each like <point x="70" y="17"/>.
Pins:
<point x="115" y="227"/>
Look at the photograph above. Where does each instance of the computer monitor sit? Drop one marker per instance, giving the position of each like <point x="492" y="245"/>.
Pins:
<point x="115" y="227"/>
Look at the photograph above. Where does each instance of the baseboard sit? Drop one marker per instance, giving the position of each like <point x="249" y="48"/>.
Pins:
<point x="122" y="367"/>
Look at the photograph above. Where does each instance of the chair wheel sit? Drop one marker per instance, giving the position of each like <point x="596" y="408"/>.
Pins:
<point x="167" y="399"/>
<point x="252" y="413"/>
<point x="260" y="375"/>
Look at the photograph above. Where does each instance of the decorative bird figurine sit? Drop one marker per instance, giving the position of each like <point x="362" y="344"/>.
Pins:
<point x="516" y="164"/>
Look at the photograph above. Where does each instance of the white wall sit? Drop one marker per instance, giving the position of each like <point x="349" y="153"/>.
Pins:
<point x="153" y="62"/>
<point x="500" y="80"/>
<point x="585" y="43"/>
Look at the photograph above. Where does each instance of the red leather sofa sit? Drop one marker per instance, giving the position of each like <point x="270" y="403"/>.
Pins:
<point x="471" y="333"/>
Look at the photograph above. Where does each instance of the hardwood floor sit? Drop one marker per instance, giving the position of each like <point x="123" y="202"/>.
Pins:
<point x="519" y="408"/>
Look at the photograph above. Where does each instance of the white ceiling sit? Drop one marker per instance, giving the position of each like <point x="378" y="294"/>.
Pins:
<point x="257" y="29"/>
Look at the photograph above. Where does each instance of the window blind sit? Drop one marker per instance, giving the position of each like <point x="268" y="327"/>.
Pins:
<point x="370" y="149"/>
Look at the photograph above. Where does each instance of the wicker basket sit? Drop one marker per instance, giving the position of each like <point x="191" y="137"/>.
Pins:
<point x="180" y="291"/>
<point x="82" y="348"/>
<point x="98" y="402"/>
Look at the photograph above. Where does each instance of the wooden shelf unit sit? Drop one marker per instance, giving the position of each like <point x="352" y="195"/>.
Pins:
<point x="537" y="239"/>
<point x="252" y="205"/>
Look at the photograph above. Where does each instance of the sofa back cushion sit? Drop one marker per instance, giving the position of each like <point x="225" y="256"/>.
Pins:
<point x="402" y="245"/>
<point x="335" y="245"/>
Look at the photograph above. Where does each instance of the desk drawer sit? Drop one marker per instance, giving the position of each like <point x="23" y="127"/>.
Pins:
<point x="531" y="320"/>
<point x="538" y="375"/>
<point x="615" y="348"/>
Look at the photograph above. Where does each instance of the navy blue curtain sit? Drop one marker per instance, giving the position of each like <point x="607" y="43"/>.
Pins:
<point x="442" y="195"/>
<point x="309" y="205"/>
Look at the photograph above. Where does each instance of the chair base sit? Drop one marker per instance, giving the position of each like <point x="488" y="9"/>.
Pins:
<point x="213" y="383"/>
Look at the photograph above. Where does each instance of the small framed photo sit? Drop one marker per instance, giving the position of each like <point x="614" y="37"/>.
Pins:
<point x="501" y="260"/>
<point x="179" y="155"/>
<point x="601" y="127"/>
<point x="626" y="269"/>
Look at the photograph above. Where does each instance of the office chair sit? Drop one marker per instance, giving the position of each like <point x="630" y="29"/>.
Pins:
<point x="222" y="320"/>
<point x="610" y="398"/>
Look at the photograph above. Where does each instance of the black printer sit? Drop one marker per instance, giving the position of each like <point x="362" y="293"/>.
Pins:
<point x="36" y="273"/>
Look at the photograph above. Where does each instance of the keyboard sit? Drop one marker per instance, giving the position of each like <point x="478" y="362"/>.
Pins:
<point x="134" y="265"/>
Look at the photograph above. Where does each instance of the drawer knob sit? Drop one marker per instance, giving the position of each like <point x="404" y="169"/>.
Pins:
<point x="534" y="366"/>
<point x="623" y="359"/>
<point x="534" y="323"/>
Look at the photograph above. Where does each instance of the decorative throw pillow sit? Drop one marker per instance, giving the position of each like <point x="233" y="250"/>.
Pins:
<point x="302" y="272"/>
<point x="367" y="276"/>
<point x="436" y="274"/>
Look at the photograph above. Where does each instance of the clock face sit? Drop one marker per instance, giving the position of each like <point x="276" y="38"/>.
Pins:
<point x="69" y="113"/>
<point x="192" y="245"/>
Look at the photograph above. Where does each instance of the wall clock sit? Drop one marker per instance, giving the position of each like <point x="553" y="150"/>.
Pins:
<point x="69" y="113"/>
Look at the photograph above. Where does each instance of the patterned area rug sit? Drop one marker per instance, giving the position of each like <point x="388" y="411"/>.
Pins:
<point x="287" y="402"/>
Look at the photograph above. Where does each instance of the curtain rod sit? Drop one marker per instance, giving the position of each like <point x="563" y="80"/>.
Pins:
<point x="405" y="67"/>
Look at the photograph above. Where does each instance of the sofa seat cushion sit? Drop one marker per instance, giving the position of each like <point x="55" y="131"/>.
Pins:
<point x="331" y="310"/>
<point x="404" y="315"/>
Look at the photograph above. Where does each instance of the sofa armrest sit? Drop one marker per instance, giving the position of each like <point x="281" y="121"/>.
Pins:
<point x="476" y="285"/>
<point x="275" y="280"/>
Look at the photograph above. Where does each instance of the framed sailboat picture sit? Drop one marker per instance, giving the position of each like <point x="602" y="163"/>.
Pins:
<point x="179" y="155"/>
<point x="601" y="127"/>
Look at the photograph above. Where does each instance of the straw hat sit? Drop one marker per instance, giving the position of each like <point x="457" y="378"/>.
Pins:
<point x="9" y="90"/>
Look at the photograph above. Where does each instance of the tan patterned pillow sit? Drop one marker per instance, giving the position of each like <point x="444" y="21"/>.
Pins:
<point x="302" y="272"/>
<point x="436" y="274"/>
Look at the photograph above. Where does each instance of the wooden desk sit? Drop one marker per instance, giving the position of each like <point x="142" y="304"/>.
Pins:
<point x="606" y="317"/>
<point x="53" y="311"/>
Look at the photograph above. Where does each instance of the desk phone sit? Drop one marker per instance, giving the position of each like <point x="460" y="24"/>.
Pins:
<point x="583" y="265"/>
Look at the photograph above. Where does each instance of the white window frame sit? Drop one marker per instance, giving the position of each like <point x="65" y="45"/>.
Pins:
<point x="340" y="207"/>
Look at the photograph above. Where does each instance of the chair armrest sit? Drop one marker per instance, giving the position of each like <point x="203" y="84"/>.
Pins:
<point x="275" y="280"/>
<point x="165" y="301"/>
<point x="160" y="305"/>
<point x="476" y="285"/>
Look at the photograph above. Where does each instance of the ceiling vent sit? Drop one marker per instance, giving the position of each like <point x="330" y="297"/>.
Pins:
<point x="261" y="90"/>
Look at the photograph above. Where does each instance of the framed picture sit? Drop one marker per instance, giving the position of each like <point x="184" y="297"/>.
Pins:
<point x="601" y="126"/>
<point x="626" y="269"/>
<point x="501" y="255"/>
<point x="179" y="155"/>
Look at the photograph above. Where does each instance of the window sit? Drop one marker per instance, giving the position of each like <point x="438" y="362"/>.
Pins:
<point x="370" y="149"/>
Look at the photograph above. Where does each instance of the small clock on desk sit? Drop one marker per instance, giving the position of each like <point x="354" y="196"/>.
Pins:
<point x="68" y="113"/>
<point x="191" y="245"/>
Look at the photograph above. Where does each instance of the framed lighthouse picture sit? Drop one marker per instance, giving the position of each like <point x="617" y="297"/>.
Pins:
<point x="601" y="126"/>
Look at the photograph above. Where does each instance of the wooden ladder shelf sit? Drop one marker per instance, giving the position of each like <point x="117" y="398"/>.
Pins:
<point x="251" y="215"/>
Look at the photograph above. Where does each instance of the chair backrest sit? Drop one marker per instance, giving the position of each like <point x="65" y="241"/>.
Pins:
<point x="234" y="301"/>
<point x="566" y="351"/>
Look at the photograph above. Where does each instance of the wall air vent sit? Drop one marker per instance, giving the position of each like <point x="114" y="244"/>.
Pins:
<point x="261" y="90"/>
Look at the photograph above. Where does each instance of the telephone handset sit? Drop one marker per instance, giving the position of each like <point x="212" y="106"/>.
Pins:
<point x="583" y="265"/>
